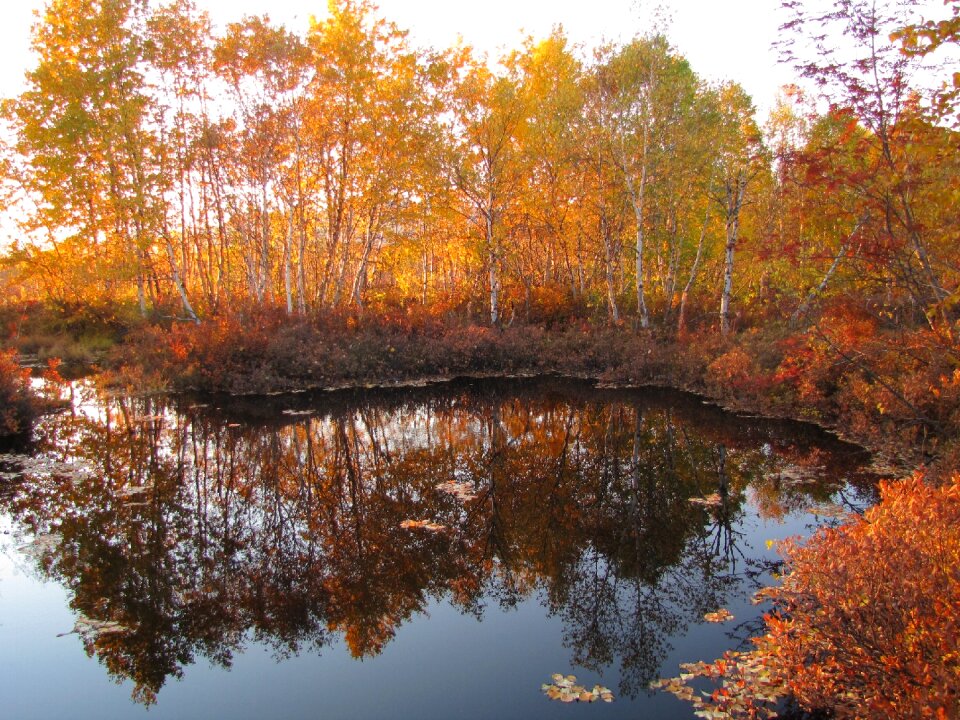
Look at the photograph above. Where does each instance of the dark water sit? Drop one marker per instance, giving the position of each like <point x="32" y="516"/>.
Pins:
<point x="254" y="558"/>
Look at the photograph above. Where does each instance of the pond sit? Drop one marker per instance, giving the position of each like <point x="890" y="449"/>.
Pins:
<point x="434" y="552"/>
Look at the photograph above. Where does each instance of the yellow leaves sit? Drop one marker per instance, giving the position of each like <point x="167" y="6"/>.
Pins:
<point x="720" y="616"/>
<point x="564" y="689"/>
<point x="674" y="686"/>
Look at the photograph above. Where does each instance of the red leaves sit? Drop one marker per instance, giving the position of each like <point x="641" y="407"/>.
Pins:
<point x="876" y="604"/>
<point x="15" y="405"/>
<point x="868" y="618"/>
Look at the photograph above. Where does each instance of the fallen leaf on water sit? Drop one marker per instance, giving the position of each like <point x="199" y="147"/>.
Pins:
<point x="721" y="615"/>
<point x="133" y="491"/>
<point x="763" y="594"/>
<point x="91" y="629"/>
<point x="41" y="545"/>
<point x="425" y="524"/>
<point x="565" y="689"/>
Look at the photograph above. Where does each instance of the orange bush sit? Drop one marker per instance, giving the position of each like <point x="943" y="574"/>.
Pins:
<point x="867" y="623"/>
<point x="16" y="408"/>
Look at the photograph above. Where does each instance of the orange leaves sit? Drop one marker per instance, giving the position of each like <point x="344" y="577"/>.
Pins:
<point x="708" y="501"/>
<point x="720" y="616"/>
<point x="15" y="404"/>
<point x="867" y="620"/>
<point x="422" y="524"/>
<point x="464" y="492"/>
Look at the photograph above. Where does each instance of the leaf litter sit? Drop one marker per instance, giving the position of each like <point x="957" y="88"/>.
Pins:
<point x="720" y="616"/>
<point x="422" y="524"/>
<point x="565" y="689"/>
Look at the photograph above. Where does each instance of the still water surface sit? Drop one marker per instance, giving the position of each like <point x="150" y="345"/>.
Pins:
<point x="432" y="553"/>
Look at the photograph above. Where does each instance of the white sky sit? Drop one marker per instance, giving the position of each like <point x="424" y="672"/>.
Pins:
<point x="722" y="39"/>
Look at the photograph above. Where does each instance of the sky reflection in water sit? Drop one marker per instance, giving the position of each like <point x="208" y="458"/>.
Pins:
<point x="273" y="537"/>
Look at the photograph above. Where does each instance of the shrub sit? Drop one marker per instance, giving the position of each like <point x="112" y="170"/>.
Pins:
<point x="16" y="407"/>
<point x="867" y="619"/>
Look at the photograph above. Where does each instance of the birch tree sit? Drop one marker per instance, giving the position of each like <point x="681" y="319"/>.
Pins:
<point x="740" y="159"/>
<point x="486" y="119"/>
<point x="81" y="130"/>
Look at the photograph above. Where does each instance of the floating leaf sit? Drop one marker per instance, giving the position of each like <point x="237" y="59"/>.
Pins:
<point x="721" y="615"/>
<point x="41" y="545"/>
<point x="90" y="629"/>
<point x="424" y="524"/>
<point x="763" y="594"/>
<point x="565" y="689"/>
<point x="133" y="491"/>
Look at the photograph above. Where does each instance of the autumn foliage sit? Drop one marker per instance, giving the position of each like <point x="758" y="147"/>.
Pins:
<point x="869" y="616"/>
<point x="866" y="621"/>
<point x="16" y="408"/>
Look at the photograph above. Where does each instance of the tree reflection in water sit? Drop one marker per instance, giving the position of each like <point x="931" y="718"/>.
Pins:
<point x="196" y="528"/>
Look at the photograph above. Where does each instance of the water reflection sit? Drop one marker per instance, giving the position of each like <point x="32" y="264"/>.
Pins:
<point x="191" y="526"/>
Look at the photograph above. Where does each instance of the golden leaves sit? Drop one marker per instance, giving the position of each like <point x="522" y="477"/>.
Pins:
<point x="564" y="689"/>
<point x="720" y="616"/>
<point x="422" y="524"/>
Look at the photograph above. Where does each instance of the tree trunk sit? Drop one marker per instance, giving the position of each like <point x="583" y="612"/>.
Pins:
<point x="288" y="262"/>
<point x="494" y="275"/>
<point x="682" y="319"/>
<point x="612" y="308"/>
<point x="638" y="200"/>
<point x="804" y="307"/>
<point x="177" y="281"/>
<point x="734" y="203"/>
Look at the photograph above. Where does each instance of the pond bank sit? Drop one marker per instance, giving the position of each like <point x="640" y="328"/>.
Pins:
<point x="769" y="374"/>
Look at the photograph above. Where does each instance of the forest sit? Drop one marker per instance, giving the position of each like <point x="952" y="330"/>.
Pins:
<point x="265" y="209"/>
